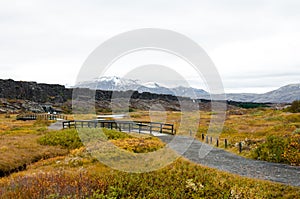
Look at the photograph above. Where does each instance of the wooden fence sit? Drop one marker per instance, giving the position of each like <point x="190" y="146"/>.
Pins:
<point x="211" y="140"/>
<point x="41" y="116"/>
<point x="122" y="125"/>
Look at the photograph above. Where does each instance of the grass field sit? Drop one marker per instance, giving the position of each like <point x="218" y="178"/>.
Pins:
<point x="19" y="146"/>
<point x="55" y="164"/>
<point x="261" y="132"/>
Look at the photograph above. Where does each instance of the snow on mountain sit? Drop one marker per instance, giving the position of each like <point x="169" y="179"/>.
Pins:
<point x="110" y="83"/>
<point x="151" y="85"/>
<point x="285" y="94"/>
<point x="189" y="92"/>
<point x="123" y="84"/>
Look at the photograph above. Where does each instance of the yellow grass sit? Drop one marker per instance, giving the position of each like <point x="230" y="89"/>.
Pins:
<point x="76" y="174"/>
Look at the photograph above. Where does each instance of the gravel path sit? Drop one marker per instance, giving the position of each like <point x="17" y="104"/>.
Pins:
<point x="56" y="126"/>
<point x="207" y="155"/>
<point x="225" y="161"/>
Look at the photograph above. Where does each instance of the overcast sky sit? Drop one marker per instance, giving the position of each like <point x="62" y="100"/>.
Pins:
<point x="255" y="44"/>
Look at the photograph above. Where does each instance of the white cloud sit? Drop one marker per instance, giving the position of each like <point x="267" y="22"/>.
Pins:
<point x="254" y="42"/>
<point x="270" y="61"/>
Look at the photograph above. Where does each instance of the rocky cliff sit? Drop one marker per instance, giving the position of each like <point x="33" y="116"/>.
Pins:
<point x="16" y="96"/>
<point x="32" y="91"/>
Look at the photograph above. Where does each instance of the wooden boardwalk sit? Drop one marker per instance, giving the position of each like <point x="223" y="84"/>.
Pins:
<point x="129" y="126"/>
<point x="43" y="116"/>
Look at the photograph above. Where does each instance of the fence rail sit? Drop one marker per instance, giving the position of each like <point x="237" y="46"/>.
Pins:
<point x="41" y="116"/>
<point x="122" y="125"/>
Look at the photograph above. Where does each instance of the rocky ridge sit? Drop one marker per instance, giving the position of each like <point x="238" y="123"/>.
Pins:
<point x="20" y="96"/>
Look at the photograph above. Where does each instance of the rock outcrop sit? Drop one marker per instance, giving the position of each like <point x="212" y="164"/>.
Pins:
<point x="32" y="91"/>
<point x="17" y="96"/>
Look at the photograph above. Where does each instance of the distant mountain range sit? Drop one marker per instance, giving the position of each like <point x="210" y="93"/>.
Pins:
<point x="20" y="96"/>
<point x="285" y="94"/>
<point x="122" y="84"/>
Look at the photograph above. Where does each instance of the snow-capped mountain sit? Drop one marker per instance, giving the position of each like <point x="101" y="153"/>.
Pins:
<point x="151" y="84"/>
<point x="189" y="92"/>
<point x="110" y="83"/>
<point x="285" y="94"/>
<point x="122" y="84"/>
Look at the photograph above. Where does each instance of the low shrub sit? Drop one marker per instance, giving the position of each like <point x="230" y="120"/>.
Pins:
<point x="292" y="151"/>
<point x="41" y="123"/>
<point x="65" y="138"/>
<point x="114" y="134"/>
<point x="293" y="118"/>
<point x="272" y="150"/>
<point x="297" y="131"/>
<point x="139" y="145"/>
<point x="69" y="138"/>
<point x="279" y="149"/>
<point x="295" y="107"/>
<point x="180" y="179"/>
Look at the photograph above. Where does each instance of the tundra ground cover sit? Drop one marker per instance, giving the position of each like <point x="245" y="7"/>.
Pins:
<point x="18" y="144"/>
<point x="73" y="173"/>
<point x="63" y="178"/>
<point x="254" y="128"/>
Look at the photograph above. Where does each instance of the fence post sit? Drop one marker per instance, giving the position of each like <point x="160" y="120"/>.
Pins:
<point x="217" y="142"/>
<point x="211" y="140"/>
<point x="160" y="128"/>
<point x="226" y="144"/>
<point x="207" y="139"/>
<point x="139" y="128"/>
<point x="202" y="136"/>
<point x="240" y="147"/>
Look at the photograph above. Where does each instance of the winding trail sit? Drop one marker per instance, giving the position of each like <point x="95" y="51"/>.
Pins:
<point x="225" y="161"/>
<point x="57" y="125"/>
<point x="207" y="155"/>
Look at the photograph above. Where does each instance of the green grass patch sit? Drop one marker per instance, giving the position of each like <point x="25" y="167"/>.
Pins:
<point x="279" y="149"/>
<point x="293" y="118"/>
<point x="68" y="139"/>
<point x="114" y="134"/>
<point x="19" y="147"/>
<point x="139" y="145"/>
